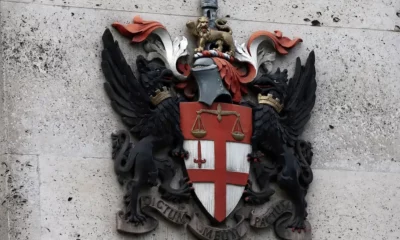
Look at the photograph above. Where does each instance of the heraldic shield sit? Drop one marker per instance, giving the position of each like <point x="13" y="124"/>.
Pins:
<point x="218" y="141"/>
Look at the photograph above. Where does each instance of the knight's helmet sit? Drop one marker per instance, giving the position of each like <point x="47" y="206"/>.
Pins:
<point x="210" y="85"/>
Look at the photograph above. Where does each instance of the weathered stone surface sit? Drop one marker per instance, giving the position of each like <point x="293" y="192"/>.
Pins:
<point x="354" y="205"/>
<point x="23" y="197"/>
<point x="85" y="207"/>
<point x="47" y="98"/>
<point x="23" y="1"/>
<point x="58" y="105"/>
<point x="80" y="199"/>
<point x="374" y="14"/>
<point x="3" y="143"/>
<point x="4" y="171"/>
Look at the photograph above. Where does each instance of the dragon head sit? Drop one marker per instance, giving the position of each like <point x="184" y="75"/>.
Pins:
<point x="153" y="75"/>
<point x="268" y="83"/>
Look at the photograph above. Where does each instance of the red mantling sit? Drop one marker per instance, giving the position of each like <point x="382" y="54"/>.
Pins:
<point x="234" y="78"/>
<point x="280" y="43"/>
<point x="188" y="86"/>
<point x="139" y="30"/>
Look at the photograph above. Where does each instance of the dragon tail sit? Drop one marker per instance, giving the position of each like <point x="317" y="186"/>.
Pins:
<point x="121" y="149"/>
<point x="303" y="150"/>
<point x="221" y="25"/>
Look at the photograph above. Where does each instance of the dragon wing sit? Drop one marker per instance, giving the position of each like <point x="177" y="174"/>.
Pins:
<point x="126" y="93"/>
<point x="300" y="98"/>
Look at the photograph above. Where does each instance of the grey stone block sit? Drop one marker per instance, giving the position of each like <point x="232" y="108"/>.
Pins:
<point x="48" y="67"/>
<point x="23" y="197"/>
<point x="22" y="1"/>
<point x="4" y="172"/>
<point x="354" y="205"/>
<point x="80" y="198"/>
<point x="188" y="7"/>
<point x="56" y="103"/>
<point x="3" y="143"/>
<point x="372" y="14"/>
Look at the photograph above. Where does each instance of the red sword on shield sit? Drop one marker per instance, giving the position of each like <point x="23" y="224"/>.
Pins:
<point x="200" y="161"/>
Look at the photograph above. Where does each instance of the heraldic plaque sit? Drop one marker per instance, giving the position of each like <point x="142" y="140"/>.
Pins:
<point x="231" y="126"/>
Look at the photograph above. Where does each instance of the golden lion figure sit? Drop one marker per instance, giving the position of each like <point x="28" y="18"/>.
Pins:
<point x="221" y="37"/>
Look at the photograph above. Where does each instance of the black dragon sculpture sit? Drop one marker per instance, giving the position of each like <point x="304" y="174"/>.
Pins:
<point x="151" y="112"/>
<point x="284" y="109"/>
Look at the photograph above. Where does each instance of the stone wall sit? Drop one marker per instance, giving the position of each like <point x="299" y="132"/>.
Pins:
<point x="56" y="174"/>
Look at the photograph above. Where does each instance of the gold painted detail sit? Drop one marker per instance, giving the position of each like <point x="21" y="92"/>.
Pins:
<point x="269" y="100"/>
<point x="221" y="36"/>
<point x="160" y="96"/>
<point x="199" y="131"/>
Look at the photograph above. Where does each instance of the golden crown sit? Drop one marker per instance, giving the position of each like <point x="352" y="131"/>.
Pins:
<point x="269" y="100"/>
<point x="160" y="96"/>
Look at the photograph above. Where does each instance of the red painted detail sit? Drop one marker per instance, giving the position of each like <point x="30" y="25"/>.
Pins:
<point x="220" y="133"/>
<point x="199" y="160"/>
<point x="183" y="68"/>
<point x="211" y="176"/>
<point x="281" y="43"/>
<point x="139" y="30"/>
<point x="234" y="78"/>
<point x="215" y="130"/>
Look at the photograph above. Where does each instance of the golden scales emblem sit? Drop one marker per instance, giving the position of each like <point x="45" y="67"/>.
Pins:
<point x="199" y="131"/>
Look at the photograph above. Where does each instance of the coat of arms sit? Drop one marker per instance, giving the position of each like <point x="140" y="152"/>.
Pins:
<point x="231" y="126"/>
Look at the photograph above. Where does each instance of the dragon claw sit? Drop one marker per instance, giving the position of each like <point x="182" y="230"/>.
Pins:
<point x="152" y="180"/>
<point x="136" y="218"/>
<point x="180" y="194"/>
<point x="256" y="198"/>
<point x="299" y="230"/>
<point x="180" y="153"/>
<point x="127" y="198"/>
<point x="298" y="225"/>
<point x="254" y="156"/>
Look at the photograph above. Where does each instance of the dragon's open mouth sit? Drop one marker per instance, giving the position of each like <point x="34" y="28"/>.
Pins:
<point x="166" y="76"/>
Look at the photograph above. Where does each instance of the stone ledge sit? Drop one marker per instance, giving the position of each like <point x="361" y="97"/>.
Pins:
<point x="369" y="14"/>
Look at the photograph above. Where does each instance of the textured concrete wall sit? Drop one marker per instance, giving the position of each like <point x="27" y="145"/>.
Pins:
<point x="56" y="175"/>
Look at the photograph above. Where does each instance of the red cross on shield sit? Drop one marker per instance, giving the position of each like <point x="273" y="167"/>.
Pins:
<point x="218" y="141"/>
